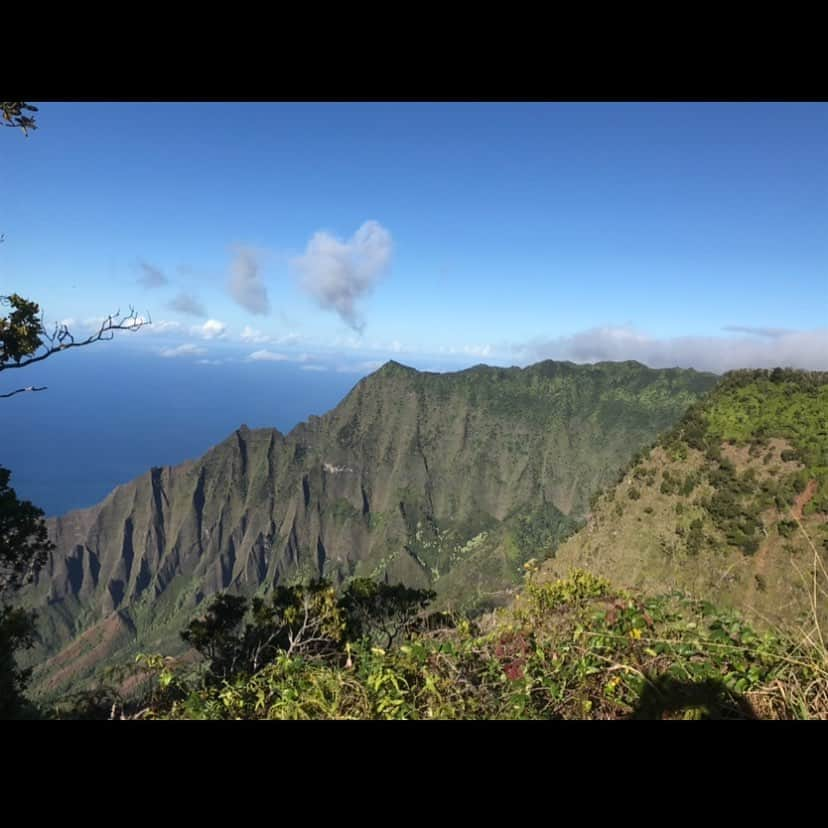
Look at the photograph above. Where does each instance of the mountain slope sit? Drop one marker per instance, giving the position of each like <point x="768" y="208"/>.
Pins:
<point x="443" y="480"/>
<point x="731" y="505"/>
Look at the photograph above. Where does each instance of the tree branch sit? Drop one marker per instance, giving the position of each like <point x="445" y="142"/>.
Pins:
<point x="22" y="390"/>
<point x="62" y="339"/>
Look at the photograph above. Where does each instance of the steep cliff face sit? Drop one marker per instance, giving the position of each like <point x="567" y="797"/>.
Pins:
<point x="447" y="480"/>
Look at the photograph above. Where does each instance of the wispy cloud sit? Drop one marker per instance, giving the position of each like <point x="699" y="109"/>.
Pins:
<point x="467" y="350"/>
<point x="162" y="326"/>
<point x="188" y="303"/>
<point x="246" y="285"/>
<point x="268" y="356"/>
<point x="183" y="351"/>
<point x="478" y="350"/>
<point x="252" y="335"/>
<point x="313" y="368"/>
<point x="798" y="349"/>
<point x="210" y="361"/>
<point x="211" y="329"/>
<point x="337" y="274"/>
<point x="151" y="276"/>
<point x="771" y="333"/>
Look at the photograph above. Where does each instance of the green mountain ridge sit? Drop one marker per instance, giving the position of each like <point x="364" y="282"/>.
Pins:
<point x="730" y="506"/>
<point x="448" y="481"/>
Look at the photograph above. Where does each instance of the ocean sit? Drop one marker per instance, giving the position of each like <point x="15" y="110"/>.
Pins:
<point x="112" y="412"/>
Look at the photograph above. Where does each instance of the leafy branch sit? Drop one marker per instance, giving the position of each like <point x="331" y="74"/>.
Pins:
<point x="14" y="115"/>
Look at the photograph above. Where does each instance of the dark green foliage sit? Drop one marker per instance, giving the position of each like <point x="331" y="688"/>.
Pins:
<point x="736" y="517"/>
<point x="713" y="452"/>
<point x="17" y="632"/>
<point x="303" y="619"/>
<point x="695" y="537"/>
<point x="381" y="613"/>
<point x="633" y="493"/>
<point x="786" y="528"/>
<point x="308" y="620"/>
<point x="779" y="403"/>
<point x="24" y="546"/>
<point x="538" y="532"/>
<point x="690" y="483"/>
<point x="24" y="543"/>
<point x="14" y="115"/>
<point x="21" y="330"/>
<point x="215" y="635"/>
<point x="693" y="428"/>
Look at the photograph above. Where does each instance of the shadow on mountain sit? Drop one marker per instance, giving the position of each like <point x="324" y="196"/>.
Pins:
<point x="670" y="698"/>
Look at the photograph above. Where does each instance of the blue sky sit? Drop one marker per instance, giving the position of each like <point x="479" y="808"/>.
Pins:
<point x="340" y="235"/>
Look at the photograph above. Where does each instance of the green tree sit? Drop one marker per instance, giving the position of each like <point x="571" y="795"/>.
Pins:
<point x="24" y="546"/>
<point x="308" y="620"/>
<point x="383" y="613"/>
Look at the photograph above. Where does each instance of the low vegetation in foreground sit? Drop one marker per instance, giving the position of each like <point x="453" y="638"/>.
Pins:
<point x="571" y="648"/>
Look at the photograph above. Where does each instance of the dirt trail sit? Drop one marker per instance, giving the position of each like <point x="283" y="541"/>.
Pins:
<point x="803" y="499"/>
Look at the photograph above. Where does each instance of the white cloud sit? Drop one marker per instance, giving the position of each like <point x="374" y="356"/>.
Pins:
<point x="478" y="350"/>
<point x="252" y="335"/>
<point x="797" y="349"/>
<point x="338" y="273"/>
<point x="211" y="329"/>
<point x="246" y="285"/>
<point x="351" y="342"/>
<point x="183" y="351"/>
<point x="313" y="368"/>
<point x="268" y="356"/>
<point x="772" y="333"/>
<point x="163" y="326"/>
<point x="210" y="361"/>
<point x="470" y="350"/>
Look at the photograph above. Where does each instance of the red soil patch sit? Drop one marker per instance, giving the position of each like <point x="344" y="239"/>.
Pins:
<point x="803" y="499"/>
<point x="95" y="644"/>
